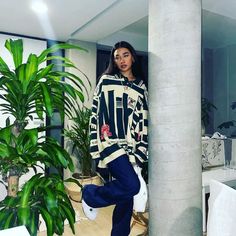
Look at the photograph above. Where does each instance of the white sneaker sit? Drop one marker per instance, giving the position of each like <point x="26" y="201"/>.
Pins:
<point x="90" y="212"/>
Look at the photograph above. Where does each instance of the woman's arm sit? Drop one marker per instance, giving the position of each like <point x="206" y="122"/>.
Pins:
<point x="94" y="126"/>
<point x="141" y="150"/>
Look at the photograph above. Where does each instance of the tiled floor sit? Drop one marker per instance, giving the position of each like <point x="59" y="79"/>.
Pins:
<point x="100" y="227"/>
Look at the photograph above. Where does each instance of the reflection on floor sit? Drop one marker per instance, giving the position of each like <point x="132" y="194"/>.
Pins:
<point x="100" y="227"/>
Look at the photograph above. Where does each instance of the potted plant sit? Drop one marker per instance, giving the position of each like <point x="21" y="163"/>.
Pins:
<point x="230" y="123"/>
<point x="30" y="90"/>
<point x="79" y="139"/>
<point x="206" y="109"/>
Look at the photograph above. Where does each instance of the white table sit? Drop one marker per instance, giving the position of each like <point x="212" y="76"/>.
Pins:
<point x="19" y="231"/>
<point x="226" y="176"/>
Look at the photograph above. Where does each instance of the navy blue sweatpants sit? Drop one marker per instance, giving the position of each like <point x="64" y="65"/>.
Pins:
<point x="118" y="192"/>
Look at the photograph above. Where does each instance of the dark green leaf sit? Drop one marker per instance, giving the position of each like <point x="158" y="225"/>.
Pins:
<point x="47" y="99"/>
<point x="24" y="215"/>
<point x="27" y="189"/>
<point x="48" y="221"/>
<point x="70" y="214"/>
<point x="34" y="222"/>
<point x="9" y="221"/>
<point x="3" y="66"/>
<point x="4" y="150"/>
<point x="51" y="201"/>
<point x="5" y="134"/>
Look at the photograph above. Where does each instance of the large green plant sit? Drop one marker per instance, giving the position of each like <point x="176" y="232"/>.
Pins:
<point x="79" y="136"/>
<point x="29" y="90"/>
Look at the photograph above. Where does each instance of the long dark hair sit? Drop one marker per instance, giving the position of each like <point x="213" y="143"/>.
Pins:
<point x="112" y="68"/>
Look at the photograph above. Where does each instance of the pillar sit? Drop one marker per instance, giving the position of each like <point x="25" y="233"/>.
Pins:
<point x="175" y="118"/>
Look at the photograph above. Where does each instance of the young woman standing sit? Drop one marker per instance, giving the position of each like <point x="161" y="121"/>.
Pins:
<point x="119" y="140"/>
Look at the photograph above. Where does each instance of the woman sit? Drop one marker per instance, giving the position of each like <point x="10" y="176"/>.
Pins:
<point x="118" y="130"/>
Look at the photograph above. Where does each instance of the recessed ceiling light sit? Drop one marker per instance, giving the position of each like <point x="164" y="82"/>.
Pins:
<point x="39" y="6"/>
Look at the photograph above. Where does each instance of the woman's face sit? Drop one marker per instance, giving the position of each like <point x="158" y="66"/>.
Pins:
<point x="123" y="59"/>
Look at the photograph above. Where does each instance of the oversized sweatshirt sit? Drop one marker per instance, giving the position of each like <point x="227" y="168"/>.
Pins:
<point x="119" y="122"/>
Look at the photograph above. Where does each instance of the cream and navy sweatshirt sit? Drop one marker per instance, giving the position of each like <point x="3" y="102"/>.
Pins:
<point x="119" y="122"/>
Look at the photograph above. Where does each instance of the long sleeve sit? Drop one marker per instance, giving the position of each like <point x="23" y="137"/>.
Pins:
<point x="94" y="150"/>
<point x="141" y="150"/>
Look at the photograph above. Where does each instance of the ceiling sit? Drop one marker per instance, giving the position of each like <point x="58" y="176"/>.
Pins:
<point x="88" y="20"/>
<point x="218" y="23"/>
<point x="102" y="21"/>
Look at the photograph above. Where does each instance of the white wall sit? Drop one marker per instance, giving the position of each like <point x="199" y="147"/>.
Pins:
<point x="86" y="62"/>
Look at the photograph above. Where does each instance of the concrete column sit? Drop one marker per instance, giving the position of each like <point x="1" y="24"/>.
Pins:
<point x="175" y="123"/>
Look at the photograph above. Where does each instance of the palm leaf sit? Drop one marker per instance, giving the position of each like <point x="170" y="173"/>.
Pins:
<point x="30" y="70"/>
<point x="27" y="190"/>
<point x="70" y="215"/>
<point x="15" y="47"/>
<point x="10" y="220"/>
<point x="20" y="72"/>
<point x="43" y="56"/>
<point x="48" y="220"/>
<point x="4" y="213"/>
<point x="43" y="72"/>
<point x="24" y="215"/>
<point x="51" y="201"/>
<point x="4" y="69"/>
<point x="47" y="99"/>
<point x="33" y="224"/>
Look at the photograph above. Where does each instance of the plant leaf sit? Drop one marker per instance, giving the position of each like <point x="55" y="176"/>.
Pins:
<point x="233" y="105"/>
<point x="51" y="201"/>
<point x="24" y="215"/>
<point x="70" y="214"/>
<point x="48" y="221"/>
<point x="56" y="47"/>
<point x="15" y="47"/>
<point x="33" y="224"/>
<point x="3" y="66"/>
<point x="47" y="99"/>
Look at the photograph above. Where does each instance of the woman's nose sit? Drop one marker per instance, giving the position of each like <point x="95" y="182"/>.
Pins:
<point x="122" y="59"/>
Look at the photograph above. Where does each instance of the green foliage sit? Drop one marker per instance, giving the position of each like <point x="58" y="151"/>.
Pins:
<point x="206" y="109"/>
<point x="230" y="123"/>
<point x="32" y="89"/>
<point x="43" y="195"/>
<point x="79" y="136"/>
<point x="26" y="150"/>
